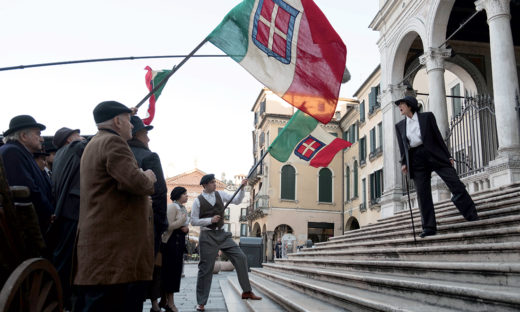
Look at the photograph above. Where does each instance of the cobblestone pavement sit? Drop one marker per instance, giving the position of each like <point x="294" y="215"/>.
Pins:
<point x="185" y="300"/>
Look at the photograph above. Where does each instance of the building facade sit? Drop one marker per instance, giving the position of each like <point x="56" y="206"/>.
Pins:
<point x="292" y="198"/>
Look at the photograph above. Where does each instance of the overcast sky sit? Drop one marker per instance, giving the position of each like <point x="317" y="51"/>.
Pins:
<point x="204" y="114"/>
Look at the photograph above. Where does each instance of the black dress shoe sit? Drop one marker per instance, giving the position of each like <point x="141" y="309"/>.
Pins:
<point x="427" y="233"/>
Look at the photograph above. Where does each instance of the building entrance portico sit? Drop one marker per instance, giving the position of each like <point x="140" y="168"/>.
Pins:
<point x="483" y="53"/>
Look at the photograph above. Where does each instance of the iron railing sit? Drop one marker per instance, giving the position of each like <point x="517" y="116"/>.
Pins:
<point x="472" y="137"/>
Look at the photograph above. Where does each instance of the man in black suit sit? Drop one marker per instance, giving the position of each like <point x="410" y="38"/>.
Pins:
<point x="422" y="151"/>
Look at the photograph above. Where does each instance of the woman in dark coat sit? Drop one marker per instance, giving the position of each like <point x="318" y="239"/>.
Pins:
<point x="173" y="245"/>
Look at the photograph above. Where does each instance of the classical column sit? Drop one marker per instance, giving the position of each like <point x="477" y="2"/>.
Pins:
<point x="434" y="61"/>
<point x="393" y="189"/>
<point x="269" y="246"/>
<point x="506" y="168"/>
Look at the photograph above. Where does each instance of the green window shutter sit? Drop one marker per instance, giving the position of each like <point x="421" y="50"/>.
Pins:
<point x="456" y="102"/>
<point x="345" y="136"/>
<point x="364" y="194"/>
<point x="380" y="130"/>
<point x="372" y="98"/>
<point x="347" y="176"/>
<point x="362" y="111"/>
<point x="288" y="182"/>
<point x="356" y="193"/>
<point x="325" y="184"/>
<point x="373" y="140"/>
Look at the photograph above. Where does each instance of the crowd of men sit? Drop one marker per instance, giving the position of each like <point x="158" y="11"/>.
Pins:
<point x="101" y="208"/>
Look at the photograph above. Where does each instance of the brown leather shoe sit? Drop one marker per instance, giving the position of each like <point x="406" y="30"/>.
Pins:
<point x="250" y="295"/>
<point x="200" y="307"/>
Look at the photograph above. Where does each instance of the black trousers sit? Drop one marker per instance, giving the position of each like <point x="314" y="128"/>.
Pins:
<point x="62" y="255"/>
<point x="126" y="297"/>
<point x="173" y="260"/>
<point x="422" y="165"/>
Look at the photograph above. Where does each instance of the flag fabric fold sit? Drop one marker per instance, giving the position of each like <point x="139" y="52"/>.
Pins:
<point x="290" y="47"/>
<point x="152" y="78"/>
<point x="304" y="140"/>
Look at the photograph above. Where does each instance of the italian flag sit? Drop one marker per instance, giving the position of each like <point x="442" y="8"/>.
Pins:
<point x="304" y="140"/>
<point x="290" y="47"/>
<point x="152" y="78"/>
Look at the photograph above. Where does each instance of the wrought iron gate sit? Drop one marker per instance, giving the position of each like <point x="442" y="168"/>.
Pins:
<point x="472" y="137"/>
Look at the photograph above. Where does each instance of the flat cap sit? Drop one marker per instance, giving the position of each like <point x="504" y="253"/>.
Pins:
<point x="109" y="109"/>
<point x="207" y="178"/>
<point x="60" y="137"/>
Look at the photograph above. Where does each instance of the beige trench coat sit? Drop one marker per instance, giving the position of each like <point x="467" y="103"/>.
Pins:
<point x="114" y="242"/>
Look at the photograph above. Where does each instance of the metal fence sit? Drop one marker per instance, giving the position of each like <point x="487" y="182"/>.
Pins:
<point x="472" y="137"/>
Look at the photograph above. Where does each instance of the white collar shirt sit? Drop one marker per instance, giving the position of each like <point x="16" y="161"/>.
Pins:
<point x="413" y="131"/>
<point x="211" y="198"/>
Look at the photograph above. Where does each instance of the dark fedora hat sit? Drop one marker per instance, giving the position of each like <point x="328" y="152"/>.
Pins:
<point x="22" y="122"/>
<point x="138" y="125"/>
<point x="61" y="136"/>
<point x="109" y="109"/>
<point x="410" y="101"/>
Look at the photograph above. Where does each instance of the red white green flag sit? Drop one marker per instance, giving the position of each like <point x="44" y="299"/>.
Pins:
<point x="304" y="140"/>
<point x="290" y="47"/>
<point x="152" y="78"/>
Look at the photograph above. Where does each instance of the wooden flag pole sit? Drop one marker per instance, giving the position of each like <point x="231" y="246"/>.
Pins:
<point x="248" y="176"/>
<point x="174" y="69"/>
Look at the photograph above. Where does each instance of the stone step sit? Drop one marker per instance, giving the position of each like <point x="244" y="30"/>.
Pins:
<point x="489" y="219"/>
<point x="493" y="273"/>
<point x="291" y="299"/>
<point x="348" y="297"/>
<point x="499" y="234"/>
<point x="476" y="297"/>
<point x="493" y="201"/>
<point x="493" y="252"/>
<point x="264" y="305"/>
<point x="234" y="302"/>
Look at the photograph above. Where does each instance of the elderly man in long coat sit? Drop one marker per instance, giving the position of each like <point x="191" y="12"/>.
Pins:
<point x="114" y="248"/>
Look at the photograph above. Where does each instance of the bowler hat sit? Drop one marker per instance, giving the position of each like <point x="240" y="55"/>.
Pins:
<point x="138" y="125"/>
<point x="61" y="136"/>
<point x="207" y="178"/>
<point x="22" y="122"/>
<point x="410" y="101"/>
<point x="109" y="109"/>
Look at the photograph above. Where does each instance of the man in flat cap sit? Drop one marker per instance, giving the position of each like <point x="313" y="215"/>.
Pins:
<point x="146" y="159"/>
<point x="422" y="151"/>
<point x="66" y="189"/>
<point x="208" y="213"/>
<point x="22" y="139"/>
<point x="114" y="244"/>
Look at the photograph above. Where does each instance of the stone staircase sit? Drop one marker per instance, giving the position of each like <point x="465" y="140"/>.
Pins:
<point x="467" y="266"/>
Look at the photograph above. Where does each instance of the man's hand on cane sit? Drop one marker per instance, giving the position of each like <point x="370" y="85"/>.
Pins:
<point x="404" y="169"/>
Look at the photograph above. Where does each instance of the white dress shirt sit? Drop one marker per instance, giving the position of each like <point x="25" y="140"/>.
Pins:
<point x="211" y="198"/>
<point x="413" y="131"/>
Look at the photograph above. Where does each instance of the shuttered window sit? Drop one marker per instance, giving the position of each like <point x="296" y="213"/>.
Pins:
<point x="288" y="182"/>
<point x="325" y="185"/>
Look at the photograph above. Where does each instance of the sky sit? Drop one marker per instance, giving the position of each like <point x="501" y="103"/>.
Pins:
<point x="203" y="117"/>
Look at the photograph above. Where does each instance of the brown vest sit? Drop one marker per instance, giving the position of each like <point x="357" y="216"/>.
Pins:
<point x="208" y="211"/>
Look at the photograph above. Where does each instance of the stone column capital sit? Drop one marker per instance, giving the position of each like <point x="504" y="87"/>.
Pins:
<point x="434" y="58"/>
<point x="494" y="8"/>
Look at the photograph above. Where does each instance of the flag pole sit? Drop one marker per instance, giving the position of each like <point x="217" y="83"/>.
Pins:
<point x="174" y="69"/>
<point x="248" y="176"/>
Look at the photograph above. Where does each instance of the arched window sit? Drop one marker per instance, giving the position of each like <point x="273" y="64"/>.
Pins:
<point x="347" y="177"/>
<point x="356" y="193"/>
<point x="325" y="186"/>
<point x="288" y="189"/>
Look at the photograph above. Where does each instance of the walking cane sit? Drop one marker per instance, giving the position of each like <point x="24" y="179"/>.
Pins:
<point x="410" y="205"/>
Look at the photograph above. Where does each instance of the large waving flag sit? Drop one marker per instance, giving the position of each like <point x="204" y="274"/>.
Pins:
<point x="304" y="140"/>
<point x="290" y="47"/>
<point x="152" y="78"/>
